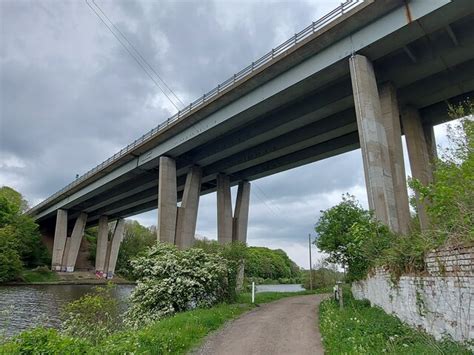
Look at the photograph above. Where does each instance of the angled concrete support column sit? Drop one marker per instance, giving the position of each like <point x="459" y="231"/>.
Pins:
<point x="224" y="210"/>
<point x="419" y="154"/>
<point x="431" y="143"/>
<point x="391" y="122"/>
<point x="373" y="142"/>
<point x="114" y="247"/>
<point x="187" y="213"/>
<point x="60" y="235"/>
<point x="241" y="213"/>
<point x="167" y="201"/>
<point x="102" y="242"/>
<point x="75" y="241"/>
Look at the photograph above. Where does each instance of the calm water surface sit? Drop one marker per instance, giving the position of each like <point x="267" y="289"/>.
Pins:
<point x="279" y="288"/>
<point x="23" y="307"/>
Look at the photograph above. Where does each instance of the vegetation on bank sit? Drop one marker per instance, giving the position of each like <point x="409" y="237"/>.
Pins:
<point x="353" y="238"/>
<point x="361" y="329"/>
<point x="90" y="327"/>
<point x="20" y="241"/>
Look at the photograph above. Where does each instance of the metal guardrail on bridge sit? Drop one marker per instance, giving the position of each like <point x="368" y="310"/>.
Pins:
<point x="235" y="79"/>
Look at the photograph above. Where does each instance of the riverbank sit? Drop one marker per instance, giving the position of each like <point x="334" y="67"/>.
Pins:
<point x="177" y="334"/>
<point x="43" y="276"/>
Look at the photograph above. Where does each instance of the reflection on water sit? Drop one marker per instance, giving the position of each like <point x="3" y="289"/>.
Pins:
<point x="22" y="307"/>
<point x="279" y="288"/>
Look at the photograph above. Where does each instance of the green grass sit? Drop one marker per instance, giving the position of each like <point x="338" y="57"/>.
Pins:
<point x="39" y="274"/>
<point x="174" y="335"/>
<point x="264" y="297"/>
<point x="361" y="329"/>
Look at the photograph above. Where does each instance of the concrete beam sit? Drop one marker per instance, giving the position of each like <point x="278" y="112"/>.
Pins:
<point x="373" y="142"/>
<point x="224" y="210"/>
<point x="241" y="213"/>
<point x="102" y="243"/>
<point x="419" y="154"/>
<point x="391" y="122"/>
<point x="187" y="213"/>
<point x="75" y="241"/>
<point x="60" y="235"/>
<point x="167" y="201"/>
<point x="115" y="246"/>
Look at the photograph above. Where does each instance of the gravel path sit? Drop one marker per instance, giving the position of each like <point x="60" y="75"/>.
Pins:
<point x="287" y="326"/>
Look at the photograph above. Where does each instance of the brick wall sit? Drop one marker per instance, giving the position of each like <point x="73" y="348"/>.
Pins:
<point x="441" y="301"/>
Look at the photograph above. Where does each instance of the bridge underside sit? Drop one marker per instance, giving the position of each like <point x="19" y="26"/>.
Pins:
<point x="312" y="120"/>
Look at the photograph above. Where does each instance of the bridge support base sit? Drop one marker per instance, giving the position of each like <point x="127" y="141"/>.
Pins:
<point x="177" y="225"/>
<point x="102" y="244"/>
<point x="187" y="213"/>
<point x="59" y="244"/>
<point x="72" y="246"/>
<point x="373" y="142"/>
<point x="114" y="246"/>
<point x="391" y="122"/>
<point x="421" y="153"/>
<point x="230" y="228"/>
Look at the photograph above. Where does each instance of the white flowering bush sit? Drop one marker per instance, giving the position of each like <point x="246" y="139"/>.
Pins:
<point x="171" y="280"/>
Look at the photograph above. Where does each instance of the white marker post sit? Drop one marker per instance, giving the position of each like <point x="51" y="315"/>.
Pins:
<point x="253" y="292"/>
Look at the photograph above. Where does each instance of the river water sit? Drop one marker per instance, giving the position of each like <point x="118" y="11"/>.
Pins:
<point x="23" y="307"/>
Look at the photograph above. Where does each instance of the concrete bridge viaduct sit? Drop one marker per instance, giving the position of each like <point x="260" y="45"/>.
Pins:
<point x="361" y="76"/>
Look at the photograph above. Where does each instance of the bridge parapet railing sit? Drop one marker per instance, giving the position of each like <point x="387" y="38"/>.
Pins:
<point x="236" y="78"/>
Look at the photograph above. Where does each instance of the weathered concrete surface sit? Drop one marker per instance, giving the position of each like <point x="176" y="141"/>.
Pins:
<point x="115" y="246"/>
<point x="241" y="213"/>
<point x="102" y="241"/>
<point x="287" y="326"/>
<point x="224" y="209"/>
<point x="187" y="213"/>
<point x="373" y="142"/>
<point x="167" y="200"/>
<point x="419" y="153"/>
<point x="391" y="121"/>
<point x="75" y="241"/>
<point x="60" y="235"/>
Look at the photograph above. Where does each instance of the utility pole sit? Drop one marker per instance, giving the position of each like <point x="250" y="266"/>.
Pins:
<point x="310" y="265"/>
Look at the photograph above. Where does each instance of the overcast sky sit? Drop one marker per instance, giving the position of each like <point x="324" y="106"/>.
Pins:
<point x="71" y="96"/>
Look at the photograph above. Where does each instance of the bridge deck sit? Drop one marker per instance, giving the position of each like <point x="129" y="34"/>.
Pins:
<point x="294" y="109"/>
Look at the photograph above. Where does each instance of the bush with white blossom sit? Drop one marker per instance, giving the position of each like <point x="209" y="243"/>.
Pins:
<point x="171" y="280"/>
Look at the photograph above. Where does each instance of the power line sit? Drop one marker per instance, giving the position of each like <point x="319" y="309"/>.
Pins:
<point x="132" y="55"/>
<point x="139" y="54"/>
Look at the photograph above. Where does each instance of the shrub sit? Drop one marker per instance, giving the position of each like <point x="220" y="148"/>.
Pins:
<point x="172" y="280"/>
<point x="235" y="254"/>
<point x="93" y="317"/>
<point x="352" y="237"/>
<point x="270" y="264"/>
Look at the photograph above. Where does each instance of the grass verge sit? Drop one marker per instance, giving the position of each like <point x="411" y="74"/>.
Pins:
<point x="174" y="335"/>
<point x="362" y="329"/>
<point x="39" y="274"/>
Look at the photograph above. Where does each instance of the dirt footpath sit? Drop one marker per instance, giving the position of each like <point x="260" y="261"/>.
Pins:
<point x="287" y="326"/>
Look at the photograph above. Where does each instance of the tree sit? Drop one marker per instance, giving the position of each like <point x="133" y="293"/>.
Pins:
<point x="21" y="228"/>
<point x="351" y="236"/>
<point x="10" y="262"/>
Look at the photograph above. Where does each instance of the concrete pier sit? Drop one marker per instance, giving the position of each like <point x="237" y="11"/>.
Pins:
<point x="167" y="200"/>
<point x="419" y="154"/>
<point x="391" y="122"/>
<point x="114" y="247"/>
<point x="373" y="142"/>
<point x="60" y="235"/>
<point x="102" y="243"/>
<point x="75" y="241"/>
<point x="241" y="213"/>
<point x="187" y="213"/>
<point x="224" y="210"/>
